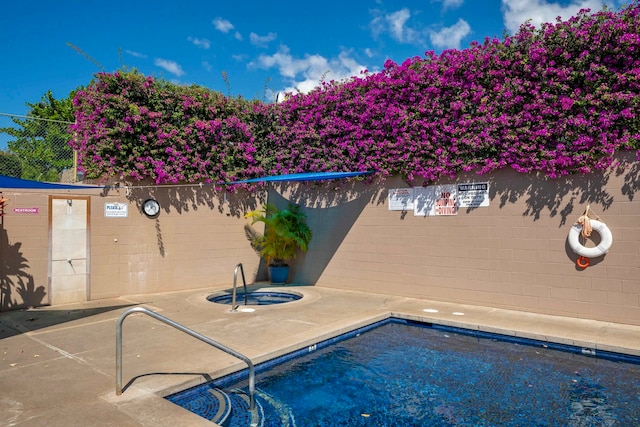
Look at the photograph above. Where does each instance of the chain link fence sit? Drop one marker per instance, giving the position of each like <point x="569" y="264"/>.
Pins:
<point x="36" y="149"/>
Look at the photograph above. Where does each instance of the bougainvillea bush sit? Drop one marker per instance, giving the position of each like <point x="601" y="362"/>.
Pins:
<point x="137" y="127"/>
<point x="560" y="99"/>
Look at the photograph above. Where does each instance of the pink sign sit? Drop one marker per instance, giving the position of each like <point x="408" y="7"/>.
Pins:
<point x="25" y="210"/>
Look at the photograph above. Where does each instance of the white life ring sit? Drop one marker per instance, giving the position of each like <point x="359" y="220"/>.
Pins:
<point x="606" y="239"/>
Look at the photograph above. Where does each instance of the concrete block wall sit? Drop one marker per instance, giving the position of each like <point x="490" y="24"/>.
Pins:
<point x="512" y="254"/>
<point x="24" y="250"/>
<point x="194" y="243"/>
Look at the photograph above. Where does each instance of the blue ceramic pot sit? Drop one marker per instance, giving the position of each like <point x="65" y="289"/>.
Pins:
<point x="278" y="275"/>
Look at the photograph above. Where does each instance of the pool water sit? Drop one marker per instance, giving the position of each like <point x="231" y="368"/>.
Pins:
<point x="406" y="374"/>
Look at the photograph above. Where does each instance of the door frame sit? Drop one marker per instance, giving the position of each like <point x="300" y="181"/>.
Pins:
<point x="88" y="242"/>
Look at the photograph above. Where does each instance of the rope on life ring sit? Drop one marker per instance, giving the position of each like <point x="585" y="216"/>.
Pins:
<point x="583" y="227"/>
<point x="582" y="262"/>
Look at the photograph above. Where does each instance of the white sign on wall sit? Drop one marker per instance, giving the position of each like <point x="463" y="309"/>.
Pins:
<point x="440" y="200"/>
<point x="423" y="201"/>
<point x="116" y="210"/>
<point x="473" y="195"/>
<point x="435" y="200"/>
<point x="400" y="199"/>
<point x="26" y="210"/>
<point x="446" y="201"/>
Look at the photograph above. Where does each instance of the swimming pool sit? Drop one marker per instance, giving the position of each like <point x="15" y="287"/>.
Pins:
<point x="256" y="298"/>
<point x="400" y="373"/>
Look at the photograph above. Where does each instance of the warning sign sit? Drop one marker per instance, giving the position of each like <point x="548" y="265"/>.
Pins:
<point x="473" y="195"/>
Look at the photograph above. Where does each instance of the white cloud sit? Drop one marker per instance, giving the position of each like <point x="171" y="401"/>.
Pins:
<point x="516" y="12"/>
<point x="170" y="66"/>
<point x="369" y="52"/>
<point x="396" y="25"/>
<point x="207" y="66"/>
<point x="306" y="73"/>
<point x="135" y="54"/>
<point x="397" y="21"/>
<point x="450" y="37"/>
<point x="451" y="4"/>
<point x="238" y="36"/>
<point x="262" y="41"/>
<point x="222" y="25"/>
<point x="203" y="43"/>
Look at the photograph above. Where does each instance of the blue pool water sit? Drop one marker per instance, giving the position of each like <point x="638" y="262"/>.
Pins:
<point x="401" y="373"/>
<point x="256" y="298"/>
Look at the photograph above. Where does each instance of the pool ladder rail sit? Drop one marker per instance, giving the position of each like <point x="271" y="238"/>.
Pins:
<point x="187" y="331"/>
<point x="234" y="306"/>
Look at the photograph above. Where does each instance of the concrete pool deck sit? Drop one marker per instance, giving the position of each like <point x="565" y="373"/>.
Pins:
<point x="58" y="363"/>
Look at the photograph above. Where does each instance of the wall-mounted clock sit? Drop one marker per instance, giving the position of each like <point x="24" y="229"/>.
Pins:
<point x="151" y="208"/>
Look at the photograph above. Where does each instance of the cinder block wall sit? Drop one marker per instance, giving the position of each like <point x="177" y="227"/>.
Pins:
<point x="194" y="243"/>
<point x="513" y="254"/>
<point x="24" y="250"/>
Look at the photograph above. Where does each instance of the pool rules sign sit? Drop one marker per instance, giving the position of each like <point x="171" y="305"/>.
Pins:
<point x="473" y="195"/>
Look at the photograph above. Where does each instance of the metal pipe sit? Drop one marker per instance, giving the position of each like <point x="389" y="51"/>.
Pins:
<point x="234" y="306"/>
<point x="252" y="384"/>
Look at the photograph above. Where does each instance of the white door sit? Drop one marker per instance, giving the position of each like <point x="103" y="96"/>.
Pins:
<point x="68" y="250"/>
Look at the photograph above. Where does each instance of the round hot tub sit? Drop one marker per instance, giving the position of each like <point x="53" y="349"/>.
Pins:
<point x="256" y="298"/>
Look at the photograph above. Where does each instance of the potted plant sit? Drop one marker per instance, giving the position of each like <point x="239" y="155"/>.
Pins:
<point x="285" y="234"/>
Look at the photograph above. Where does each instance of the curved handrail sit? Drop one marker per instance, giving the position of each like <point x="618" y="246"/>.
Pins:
<point x="234" y="306"/>
<point x="186" y="331"/>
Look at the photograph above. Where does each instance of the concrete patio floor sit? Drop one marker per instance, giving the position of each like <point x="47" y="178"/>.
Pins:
<point x="58" y="364"/>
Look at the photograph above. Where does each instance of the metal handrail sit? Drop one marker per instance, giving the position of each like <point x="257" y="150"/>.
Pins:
<point x="187" y="331"/>
<point x="234" y="306"/>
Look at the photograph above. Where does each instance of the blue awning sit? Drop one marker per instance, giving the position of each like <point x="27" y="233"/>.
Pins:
<point x="306" y="176"/>
<point x="11" y="182"/>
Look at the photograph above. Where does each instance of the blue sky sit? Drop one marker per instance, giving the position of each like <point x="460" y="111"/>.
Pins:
<point x="280" y="45"/>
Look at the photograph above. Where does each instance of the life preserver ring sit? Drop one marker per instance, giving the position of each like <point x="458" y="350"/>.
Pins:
<point x="583" y="262"/>
<point x="606" y="239"/>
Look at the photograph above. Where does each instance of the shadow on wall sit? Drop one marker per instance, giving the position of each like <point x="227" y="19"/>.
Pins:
<point x="631" y="181"/>
<point x="332" y="207"/>
<point x="191" y="197"/>
<point x="17" y="288"/>
<point x="183" y="198"/>
<point x="566" y="196"/>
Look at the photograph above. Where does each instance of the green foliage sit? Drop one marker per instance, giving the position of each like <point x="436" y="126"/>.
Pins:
<point x="10" y="165"/>
<point x="42" y="139"/>
<point x="286" y="233"/>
